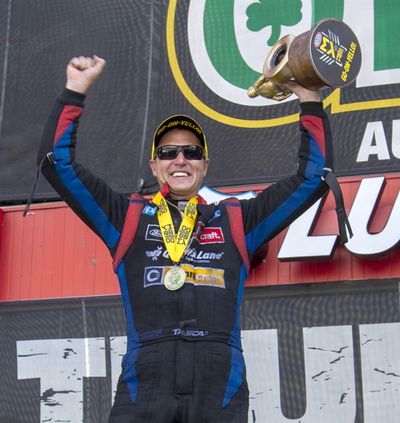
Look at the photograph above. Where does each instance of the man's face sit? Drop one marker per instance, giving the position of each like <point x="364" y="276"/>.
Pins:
<point x="184" y="177"/>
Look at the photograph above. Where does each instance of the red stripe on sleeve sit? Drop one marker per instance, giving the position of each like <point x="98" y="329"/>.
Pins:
<point x="314" y="126"/>
<point x="68" y="115"/>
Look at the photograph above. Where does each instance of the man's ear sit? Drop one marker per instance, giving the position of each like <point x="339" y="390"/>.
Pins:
<point x="206" y="164"/>
<point x="152" y="164"/>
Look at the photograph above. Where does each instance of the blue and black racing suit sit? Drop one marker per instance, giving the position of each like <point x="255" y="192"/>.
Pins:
<point x="184" y="360"/>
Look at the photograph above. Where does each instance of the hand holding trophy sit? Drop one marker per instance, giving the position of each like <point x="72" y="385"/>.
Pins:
<point x="328" y="55"/>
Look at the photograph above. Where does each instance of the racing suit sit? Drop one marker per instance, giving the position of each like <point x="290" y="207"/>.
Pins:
<point x="184" y="360"/>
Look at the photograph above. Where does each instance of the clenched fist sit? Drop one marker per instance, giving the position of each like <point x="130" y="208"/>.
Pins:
<point x="82" y="72"/>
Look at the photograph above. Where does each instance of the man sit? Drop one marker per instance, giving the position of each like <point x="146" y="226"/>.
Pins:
<point x="184" y="361"/>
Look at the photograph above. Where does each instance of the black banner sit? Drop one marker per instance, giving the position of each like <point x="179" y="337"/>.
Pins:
<point x="323" y="352"/>
<point x="167" y="57"/>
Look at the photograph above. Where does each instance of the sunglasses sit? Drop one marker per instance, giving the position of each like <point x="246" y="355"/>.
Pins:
<point x="170" y="152"/>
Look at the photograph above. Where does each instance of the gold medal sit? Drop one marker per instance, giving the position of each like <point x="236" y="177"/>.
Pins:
<point x="175" y="243"/>
<point x="174" y="278"/>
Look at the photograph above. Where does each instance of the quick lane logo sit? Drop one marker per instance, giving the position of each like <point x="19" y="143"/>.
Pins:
<point x="153" y="233"/>
<point x="201" y="276"/>
<point x="202" y="256"/>
<point x="192" y="254"/>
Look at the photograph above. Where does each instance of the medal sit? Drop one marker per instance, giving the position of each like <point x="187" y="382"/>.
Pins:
<point x="174" y="278"/>
<point x="175" y="243"/>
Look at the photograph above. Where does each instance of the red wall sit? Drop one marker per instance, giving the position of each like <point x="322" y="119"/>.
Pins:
<point x="50" y="253"/>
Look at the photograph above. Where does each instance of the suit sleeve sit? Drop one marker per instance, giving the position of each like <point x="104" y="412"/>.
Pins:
<point x="102" y="209"/>
<point x="280" y="204"/>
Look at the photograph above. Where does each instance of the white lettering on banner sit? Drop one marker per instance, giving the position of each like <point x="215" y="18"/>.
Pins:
<point x="374" y="142"/>
<point x="380" y="346"/>
<point x="329" y="375"/>
<point x="396" y="138"/>
<point x="373" y="132"/>
<point x="298" y="243"/>
<point x="363" y="242"/>
<point x="61" y="364"/>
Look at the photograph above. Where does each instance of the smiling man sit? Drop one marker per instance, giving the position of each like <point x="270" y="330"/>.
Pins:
<point x="180" y="265"/>
<point x="184" y="168"/>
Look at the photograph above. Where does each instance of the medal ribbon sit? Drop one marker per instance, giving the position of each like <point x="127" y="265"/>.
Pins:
<point x="176" y="243"/>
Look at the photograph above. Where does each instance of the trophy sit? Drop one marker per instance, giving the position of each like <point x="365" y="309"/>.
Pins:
<point x="328" y="55"/>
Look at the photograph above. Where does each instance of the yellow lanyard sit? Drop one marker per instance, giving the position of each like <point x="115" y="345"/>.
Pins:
<point x="176" y="243"/>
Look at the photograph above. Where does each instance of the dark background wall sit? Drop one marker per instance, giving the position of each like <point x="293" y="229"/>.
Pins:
<point x="138" y="89"/>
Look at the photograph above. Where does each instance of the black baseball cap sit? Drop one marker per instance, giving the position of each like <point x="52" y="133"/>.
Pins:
<point x="181" y="122"/>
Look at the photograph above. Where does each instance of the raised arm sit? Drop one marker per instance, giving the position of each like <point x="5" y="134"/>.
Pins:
<point x="281" y="203"/>
<point x="101" y="208"/>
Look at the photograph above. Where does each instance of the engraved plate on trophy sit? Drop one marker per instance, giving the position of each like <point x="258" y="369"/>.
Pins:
<point x="328" y="55"/>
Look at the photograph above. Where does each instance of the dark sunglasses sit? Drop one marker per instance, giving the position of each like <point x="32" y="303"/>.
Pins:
<point x="170" y="152"/>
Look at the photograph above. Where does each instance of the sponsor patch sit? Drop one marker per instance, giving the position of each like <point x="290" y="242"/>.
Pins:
<point x="189" y="332"/>
<point x="153" y="275"/>
<point x="204" y="276"/>
<point x="211" y="235"/>
<point x="192" y="254"/>
<point x="154" y="254"/>
<point x="328" y="45"/>
<point x="200" y="256"/>
<point x="317" y="39"/>
<point x="149" y="210"/>
<point x="153" y="233"/>
<point x="201" y="276"/>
